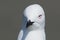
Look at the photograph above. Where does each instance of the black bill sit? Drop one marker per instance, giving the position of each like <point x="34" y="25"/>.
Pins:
<point x="29" y="23"/>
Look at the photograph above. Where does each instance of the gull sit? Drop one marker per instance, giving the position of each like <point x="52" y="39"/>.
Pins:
<point x="33" y="26"/>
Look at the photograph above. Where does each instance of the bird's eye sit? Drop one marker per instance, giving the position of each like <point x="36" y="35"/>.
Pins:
<point x="39" y="15"/>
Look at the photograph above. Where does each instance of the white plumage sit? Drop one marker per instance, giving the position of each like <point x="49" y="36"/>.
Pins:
<point x="33" y="27"/>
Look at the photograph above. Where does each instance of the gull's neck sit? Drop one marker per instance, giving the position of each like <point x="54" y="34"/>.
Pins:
<point x="36" y="26"/>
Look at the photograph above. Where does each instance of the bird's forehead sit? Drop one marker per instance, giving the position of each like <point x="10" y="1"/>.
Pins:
<point x="33" y="9"/>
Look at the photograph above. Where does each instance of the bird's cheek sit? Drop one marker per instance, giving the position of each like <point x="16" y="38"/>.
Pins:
<point x="37" y="20"/>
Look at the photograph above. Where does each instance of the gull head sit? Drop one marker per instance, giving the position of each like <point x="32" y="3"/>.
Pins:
<point x="35" y="14"/>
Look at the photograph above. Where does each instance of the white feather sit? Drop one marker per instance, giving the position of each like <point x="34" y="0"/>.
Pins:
<point x="35" y="35"/>
<point x="20" y="35"/>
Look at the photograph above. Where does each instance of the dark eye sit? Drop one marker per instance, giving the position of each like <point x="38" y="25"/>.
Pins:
<point x="39" y="15"/>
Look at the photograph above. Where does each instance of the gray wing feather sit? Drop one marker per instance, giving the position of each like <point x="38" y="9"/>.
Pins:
<point x="23" y="28"/>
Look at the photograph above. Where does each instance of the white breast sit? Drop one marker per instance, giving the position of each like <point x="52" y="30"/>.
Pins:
<point x="36" y="35"/>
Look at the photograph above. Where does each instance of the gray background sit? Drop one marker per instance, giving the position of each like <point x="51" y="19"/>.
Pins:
<point x="11" y="16"/>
